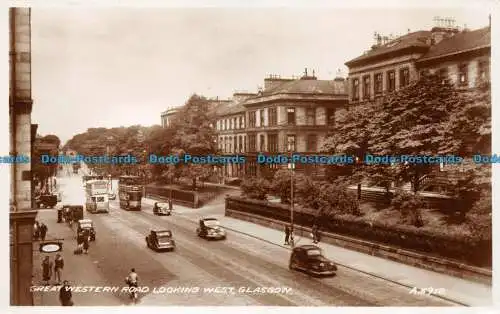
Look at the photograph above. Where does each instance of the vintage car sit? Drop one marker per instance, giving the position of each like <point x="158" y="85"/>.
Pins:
<point x="309" y="258"/>
<point x="160" y="240"/>
<point x="111" y="196"/>
<point x="72" y="213"/>
<point x="210" y="229"/>
<point x="46" y="201"/>
<point x="162" y="209"/>
<point x="86" y="225"/>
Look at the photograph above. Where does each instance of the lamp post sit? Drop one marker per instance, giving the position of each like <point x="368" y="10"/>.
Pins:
<point x="291" y="166"/>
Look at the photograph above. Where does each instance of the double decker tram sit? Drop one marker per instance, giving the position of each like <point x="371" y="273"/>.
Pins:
<point x="130" y="192"/>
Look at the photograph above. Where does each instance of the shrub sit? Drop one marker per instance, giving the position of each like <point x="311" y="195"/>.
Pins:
<point x="335" y="199"/>
<point x="479" y="219"/>
<point x="255" y="188"/>
<point x="409" y="206"/>
<point x="282" y="183"/>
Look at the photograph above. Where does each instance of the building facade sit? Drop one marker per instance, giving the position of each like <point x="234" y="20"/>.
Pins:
<point x="167" y="116"/>
<point x="21" y="141"/>
<point x="288" y="115"/>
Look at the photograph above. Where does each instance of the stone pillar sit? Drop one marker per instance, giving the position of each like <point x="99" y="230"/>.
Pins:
<point x="21" y="216"/>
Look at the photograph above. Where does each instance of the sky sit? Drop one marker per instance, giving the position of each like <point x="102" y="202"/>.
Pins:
<point x="112" y="67"/>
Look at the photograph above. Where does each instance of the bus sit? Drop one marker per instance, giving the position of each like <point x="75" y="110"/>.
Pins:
<point x="130" y="192"/>
<point x="96" y="193"/>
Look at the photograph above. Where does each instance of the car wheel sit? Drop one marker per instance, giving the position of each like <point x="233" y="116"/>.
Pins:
<point x="291" y="266"/>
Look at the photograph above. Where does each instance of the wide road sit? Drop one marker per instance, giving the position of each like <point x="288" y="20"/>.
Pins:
<point x="239" y="261"/>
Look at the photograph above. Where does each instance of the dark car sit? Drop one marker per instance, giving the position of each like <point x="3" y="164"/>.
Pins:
<point x="309" y="258"/>
<point x="46" y="201"/>
<point x="210" y="229"/>
<point x="160" y="240"/>
<point x="86" y="225"/>
<point x="72" y="213"/>
<point x="162" y="209"/>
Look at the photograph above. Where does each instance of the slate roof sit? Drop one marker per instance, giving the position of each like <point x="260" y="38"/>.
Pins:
<point x="462" y="41"/>
<point x="307" y="86"/>
<point x="233" y="107"/>
<point x="418" y="39"/>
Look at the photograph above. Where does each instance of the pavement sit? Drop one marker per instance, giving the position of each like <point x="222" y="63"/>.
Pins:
<point x="239" y="267"/>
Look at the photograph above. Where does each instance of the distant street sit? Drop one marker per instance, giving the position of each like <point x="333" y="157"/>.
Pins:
<point x="240" y="261"/>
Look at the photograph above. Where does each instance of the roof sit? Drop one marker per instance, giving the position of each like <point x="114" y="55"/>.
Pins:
<point x="461" y="42"/>
<point x="308" y="247"/>
<point x="230" y="108"/>
<point x="308" y="87"/>
<point x="418" y="39"/>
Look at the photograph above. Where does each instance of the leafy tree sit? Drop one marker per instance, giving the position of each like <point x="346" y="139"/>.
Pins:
<point x="194" y="136"/>
<point x="409" y="206"/>
<point x="282" y="183"/>
<point x="255" y="188"/>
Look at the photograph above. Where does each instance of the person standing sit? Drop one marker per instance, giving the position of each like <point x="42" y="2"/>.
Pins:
<point x="65" y="295"/>
<point x="58" y="268"/>
<point x="79" y="242"/>
<point x="170" y="204"/>
<point x="46" y="270"/>
<point x="43" y="231"/>
<point x="287" y="235"/>
<point x="36" y="231"/>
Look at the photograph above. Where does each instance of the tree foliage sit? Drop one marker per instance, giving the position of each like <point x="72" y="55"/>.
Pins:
<point x="255" y="188"/>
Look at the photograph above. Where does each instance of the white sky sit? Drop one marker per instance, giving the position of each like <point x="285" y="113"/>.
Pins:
<point x="102" y="67"/>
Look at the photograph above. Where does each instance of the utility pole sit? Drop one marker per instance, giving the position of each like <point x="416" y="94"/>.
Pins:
<point x="291" y="166"/>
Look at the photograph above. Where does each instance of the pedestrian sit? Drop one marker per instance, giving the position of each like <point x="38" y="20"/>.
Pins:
<point x="79" y="242"/>
<point x="287" y="235"/>
<point x="43" y="231"/>
<point x="65" y="295"/>
<point x="170" y="204"/>
<point x="314" y="233"/>
<point x="36" y="230"/>
<point x="86" y="240"/>
<point x="58" y="268"/>
<point x="46" y="270"/>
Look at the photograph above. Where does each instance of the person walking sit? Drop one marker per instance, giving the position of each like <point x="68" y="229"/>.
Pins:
<point x="287" y="235"/>
<point x="46" y="270"/>
<point x="314" y="233"/>
<point x="58" y="268"/>
<point x="79" y="242"/>
<point x="65" y="295"/>
<point x="43" y="231"/>
<point x="86" y="240"/>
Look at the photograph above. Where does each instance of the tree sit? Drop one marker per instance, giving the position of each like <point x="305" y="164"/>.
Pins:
<point x="194" y="136"/>
<point x="255" y="188"/>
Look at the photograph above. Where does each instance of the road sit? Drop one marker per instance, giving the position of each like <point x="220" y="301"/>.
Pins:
<point x="240" y="261"/>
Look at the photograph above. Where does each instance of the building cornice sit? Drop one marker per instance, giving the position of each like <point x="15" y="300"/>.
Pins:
<point x="299" y="97"/>
<point x="453" y="54"/>
<point x="385" y="56"/>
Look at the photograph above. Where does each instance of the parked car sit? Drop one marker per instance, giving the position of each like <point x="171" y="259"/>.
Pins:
<point x="46" y="201"/>
<point x="210" y="229"/>
<point x="162" y="209"/>
<point x="112" y="196"/>
<point x="86" y="224"/>
<point x="310" y="259"/>
<point x="160" y="240"/>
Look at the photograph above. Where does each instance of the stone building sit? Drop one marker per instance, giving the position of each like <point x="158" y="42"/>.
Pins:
<point x="288" y="115"/>
<point x="464" y="59"/>
<point x="167" y="116"/>
<point x="21" y="142"/>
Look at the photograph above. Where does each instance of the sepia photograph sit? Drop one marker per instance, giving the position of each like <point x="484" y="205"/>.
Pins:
<point x="259" y="156"/>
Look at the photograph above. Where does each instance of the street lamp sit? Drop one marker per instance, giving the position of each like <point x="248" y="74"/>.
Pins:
<point x="291" y="166"/>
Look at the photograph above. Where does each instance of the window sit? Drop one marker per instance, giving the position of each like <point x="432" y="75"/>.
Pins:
<point x="291" y="116"/>
<point x="225" y="144"/>
<point x="244" y="143"/>
<point x="462" y="74"/>
<point x="312" y="143"/>
<point x="262" y="143"/>
<point x="229" y="144"/>
<point x="355" y="89"/>
<point x="404" y="77"/>
<point x="366" y="87"/>
<point x="241" y="144"/>
<point x="483" y="71"/>
<point x="291" y="147"/>
<point x="443" y="75"/>
<point x="242" y="122"/>
<point x="330" y="116"/>
<point x="221" y="143"/>
<point x="273" y="117"/>
<point x="311" y="116"/>
<point x="252" y="118"/>
<point x="262" y="120"/>
<point x="251" y="142"/>
<point x="234" y="123"/>
<point x="272" y="143"/>
<point x="391" y="81"/>
<point x="378" y="83"/>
